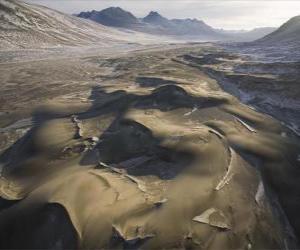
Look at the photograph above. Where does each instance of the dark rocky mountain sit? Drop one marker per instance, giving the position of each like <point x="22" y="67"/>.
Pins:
<point x="181" y="27"/>
<point x="153" y="23"/>
<point x="288" y="33"/>
<point x="113" y="16"/>
<point x="155" y="18"/>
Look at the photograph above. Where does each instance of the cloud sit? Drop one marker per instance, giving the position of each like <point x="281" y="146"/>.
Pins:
<point x="226" y="14"/>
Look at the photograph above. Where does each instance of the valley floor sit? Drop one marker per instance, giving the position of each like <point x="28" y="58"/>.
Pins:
<point x="144" y="148"/>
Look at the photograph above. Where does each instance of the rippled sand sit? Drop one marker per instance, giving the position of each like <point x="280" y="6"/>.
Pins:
<point x="151" y="153"/>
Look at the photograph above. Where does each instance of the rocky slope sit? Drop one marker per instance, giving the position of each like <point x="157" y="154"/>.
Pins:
<point x="288" y="33"/>
<point x="25" y="25"/>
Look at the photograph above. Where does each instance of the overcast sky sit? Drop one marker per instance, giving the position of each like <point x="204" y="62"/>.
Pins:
<point x="225" y="14"/>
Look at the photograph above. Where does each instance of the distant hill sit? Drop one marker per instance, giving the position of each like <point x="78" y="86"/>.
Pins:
<point x="288" y="33"/>
<point x="154" y="23"/>
<point x="249" y="36"/>
<point x="24" y="25"/>
<point x="113" y="16"/>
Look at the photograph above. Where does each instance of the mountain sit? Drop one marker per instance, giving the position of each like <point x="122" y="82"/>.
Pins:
<point x="24" y="25"/>
<point x="155" y="18"/>
<point x="288" y="33"/>
<point x="113" y="16"/>
<point x="193" y="26"/>
<point x="182" y="27"/>
<point x="153" y="23"/>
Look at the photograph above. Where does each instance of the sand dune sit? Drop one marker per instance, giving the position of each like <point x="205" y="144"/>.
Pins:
<point x="150" y="154"/>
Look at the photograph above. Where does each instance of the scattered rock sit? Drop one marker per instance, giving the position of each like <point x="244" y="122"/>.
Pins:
<point x="133" y="236"/>
<point x="283" y="134"/>
<point x="95" y="139"/>
<point x="260" y="193"/>
<point x="159" y="203"/>
<point x="213" y="217"/>
<point x="78" y="125"/>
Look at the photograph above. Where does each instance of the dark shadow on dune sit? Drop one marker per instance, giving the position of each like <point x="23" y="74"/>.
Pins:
<point x="24" y="148"/>
<point x="45" y="227"/>
<point x="144" y="81"/>
<point x="117" y="242"/>
<point x="4" y="204"/>
<point x="127" y="140"/>
<point x="122" y="140"/>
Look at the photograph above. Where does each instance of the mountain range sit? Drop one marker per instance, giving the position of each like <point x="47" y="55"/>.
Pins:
<point x="24" y="25"/>
<point x="154" y="23"/>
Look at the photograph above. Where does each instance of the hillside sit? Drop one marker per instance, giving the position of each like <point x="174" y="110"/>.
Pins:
<point x="25" y="25"/>
<point x="289" y="32"/>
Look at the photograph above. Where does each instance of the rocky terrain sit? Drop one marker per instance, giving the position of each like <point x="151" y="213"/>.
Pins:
<point x="281" y="46"/>
<point x="270" y="86"/>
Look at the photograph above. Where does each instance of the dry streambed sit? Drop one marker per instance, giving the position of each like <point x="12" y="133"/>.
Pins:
<point x="155" y="156"/>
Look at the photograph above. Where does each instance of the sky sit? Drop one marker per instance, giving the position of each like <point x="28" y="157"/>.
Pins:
<point x="227" y="14"/>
